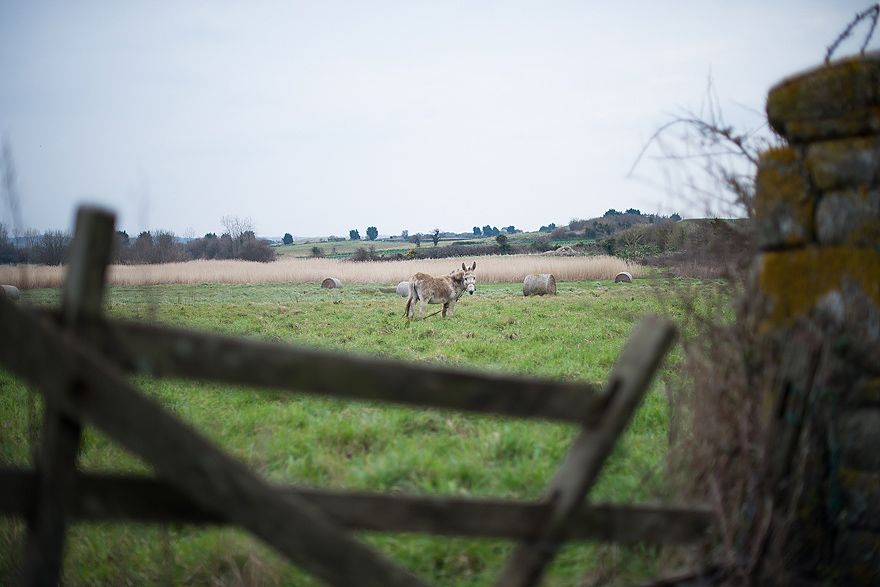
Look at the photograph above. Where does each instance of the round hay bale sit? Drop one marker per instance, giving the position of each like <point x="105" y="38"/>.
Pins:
<point x="623" y="277"/>
<point x="539" y="285"/>
<point x="331" y="283"/>
<point x="403" y="289"/>
<point x="10" y="291"/>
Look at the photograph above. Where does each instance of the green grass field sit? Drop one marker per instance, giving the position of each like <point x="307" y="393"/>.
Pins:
<point x="296" y="439"/>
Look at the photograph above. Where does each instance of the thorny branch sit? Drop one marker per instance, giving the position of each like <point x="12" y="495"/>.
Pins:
<point x="873" y="12"/>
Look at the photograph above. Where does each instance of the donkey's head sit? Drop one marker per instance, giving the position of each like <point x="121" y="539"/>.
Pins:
<point x="470" y="280"/>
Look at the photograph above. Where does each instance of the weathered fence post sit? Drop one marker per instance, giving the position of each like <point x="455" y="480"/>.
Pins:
<point x="81" y="301"/>
<point x="818" y="220"/>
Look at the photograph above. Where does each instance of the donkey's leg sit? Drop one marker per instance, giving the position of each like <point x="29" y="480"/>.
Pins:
<point x="422" y="305"/>
<point x="445" y="307"/>
<point x="451" y="305"/>
<point x="411" y="301"/>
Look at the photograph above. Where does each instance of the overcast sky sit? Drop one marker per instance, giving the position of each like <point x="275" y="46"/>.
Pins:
<point x="317" y="117"/>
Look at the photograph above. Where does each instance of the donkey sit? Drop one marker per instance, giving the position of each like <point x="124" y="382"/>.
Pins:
<point x="446" y="290"/>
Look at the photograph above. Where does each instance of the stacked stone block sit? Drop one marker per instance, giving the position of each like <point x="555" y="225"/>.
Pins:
<point x="817" y="212"/>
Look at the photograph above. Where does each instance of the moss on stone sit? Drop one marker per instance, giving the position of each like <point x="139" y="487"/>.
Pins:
<point x="837" y="91"/>
<point x="856" y="123"/>
<point x="784" y="207"/>
<point x="795" y="280"/>
<point x="844" y="163"/>
<point x="849" y="217"/>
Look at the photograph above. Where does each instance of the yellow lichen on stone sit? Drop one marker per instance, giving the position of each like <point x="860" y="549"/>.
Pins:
<point x="844" y="163"/>
<point x="865" y="121"/>
<point x="827" y="92"/>
<point x="795" y="280"/>
<point x="784" y="207"/>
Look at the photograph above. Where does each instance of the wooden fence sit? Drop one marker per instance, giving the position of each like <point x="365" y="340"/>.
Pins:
<point x="80" y="363"/>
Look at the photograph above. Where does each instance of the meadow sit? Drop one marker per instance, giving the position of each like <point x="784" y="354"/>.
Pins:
<point x="316" y="442"/>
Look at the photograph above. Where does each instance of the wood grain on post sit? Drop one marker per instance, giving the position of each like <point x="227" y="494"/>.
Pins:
<point x="82" y="298"/>
<point x="161" y="351"/>
<point x="104" y="498"/>
<point x="48" y="358"/>
<point x="630" y="378"/>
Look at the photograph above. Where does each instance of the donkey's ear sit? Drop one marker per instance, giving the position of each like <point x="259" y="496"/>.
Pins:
<point x="463" y="268"/>
<point x="475" y="266"/>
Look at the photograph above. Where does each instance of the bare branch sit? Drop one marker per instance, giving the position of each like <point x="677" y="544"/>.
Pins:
<point x="871" y="11"/>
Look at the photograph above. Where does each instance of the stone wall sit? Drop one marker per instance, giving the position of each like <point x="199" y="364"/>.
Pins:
<point x="817" y="212"/>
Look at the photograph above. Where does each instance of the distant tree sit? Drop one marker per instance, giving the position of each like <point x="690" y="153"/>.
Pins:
<point x="495" y="231"/>
<point x="487" y="230"/>
<point x="372" y="233"/>
<point x="52" y="248"/>
<point x="354" y="235"/>
<point x="633" y="211"/>
<point x="510" y="229"/>
<point x="121" y="241"/>
<point x="477" y="231"/>
<point x="225" y="248"/>
<point x="317" y="252"/>
<point x="8" y="254"/>
<point x="404" y="235"/>
<point x="143" y="248"/>
<point x="675" y="217"/>
<point x="288" y="238"/>
<point x="166" y="248"/>
<point x="503" y="243"/>
<point x="435" y="236"/>
<point x="548" y="228"/>
<point x="210" y="235"/>
<point x="611" y="212"/>
<point x="416" y="239"/>
<point x="237" y="228"/>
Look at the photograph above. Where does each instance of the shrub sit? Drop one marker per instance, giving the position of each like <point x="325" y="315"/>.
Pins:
<point x="363" y="254"/>
<point x="317" y="252"/>
<point x="578" y="224"/>
<point x="257" y="250"/>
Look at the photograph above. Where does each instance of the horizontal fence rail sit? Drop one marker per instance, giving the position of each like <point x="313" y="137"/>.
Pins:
<point x="102" y="497"/>
<point x="162" y="351"/>
<point x="85" y="387"/>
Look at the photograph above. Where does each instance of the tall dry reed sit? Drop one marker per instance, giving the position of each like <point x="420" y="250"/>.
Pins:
<point x="492" y="269"/>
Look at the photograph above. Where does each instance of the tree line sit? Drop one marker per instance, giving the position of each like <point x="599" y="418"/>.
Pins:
<point x="238" y="241"/>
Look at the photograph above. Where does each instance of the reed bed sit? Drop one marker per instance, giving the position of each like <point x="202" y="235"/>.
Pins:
<point x="491" y="269"/>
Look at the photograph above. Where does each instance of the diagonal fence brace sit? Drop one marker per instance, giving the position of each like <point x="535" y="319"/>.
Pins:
<point x="87" y="389"/>
<point x="629" y="380"/>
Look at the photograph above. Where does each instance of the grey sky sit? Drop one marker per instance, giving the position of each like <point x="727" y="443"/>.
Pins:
<point x="316" y="117"/>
